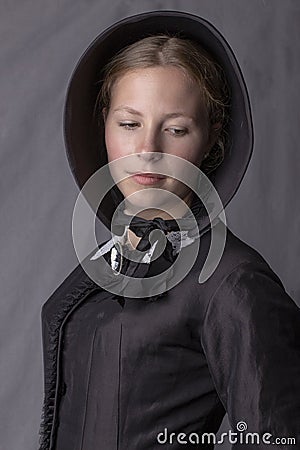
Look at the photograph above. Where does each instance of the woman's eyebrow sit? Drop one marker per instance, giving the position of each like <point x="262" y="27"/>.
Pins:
<point x="169" y="115"/>
<point x="128" y="109"/>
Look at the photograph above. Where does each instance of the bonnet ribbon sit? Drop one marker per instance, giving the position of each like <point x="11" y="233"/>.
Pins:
<point x="179" y="232"/>
<point x="143" y="227"/>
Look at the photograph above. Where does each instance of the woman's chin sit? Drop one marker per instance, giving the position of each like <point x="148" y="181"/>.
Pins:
<point x="160" y="204"/>
<point x="143" y="203"/>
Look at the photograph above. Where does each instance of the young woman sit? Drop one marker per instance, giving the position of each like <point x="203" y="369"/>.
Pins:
<point x="130" y="371"/>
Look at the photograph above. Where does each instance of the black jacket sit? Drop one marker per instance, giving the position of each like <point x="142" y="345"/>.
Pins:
<point x="120" y="370"/>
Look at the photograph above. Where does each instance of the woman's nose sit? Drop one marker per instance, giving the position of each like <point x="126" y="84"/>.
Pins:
<point x="150" y="146"/>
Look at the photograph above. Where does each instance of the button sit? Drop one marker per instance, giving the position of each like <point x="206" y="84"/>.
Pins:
<point x="116" y="258"/>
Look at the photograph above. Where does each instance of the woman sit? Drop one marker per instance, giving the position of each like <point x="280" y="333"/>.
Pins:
<point x="131" y="371"/>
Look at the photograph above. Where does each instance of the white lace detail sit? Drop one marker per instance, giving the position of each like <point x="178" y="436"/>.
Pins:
<point x="178" y="239"/>
<point x="106" y="247"/>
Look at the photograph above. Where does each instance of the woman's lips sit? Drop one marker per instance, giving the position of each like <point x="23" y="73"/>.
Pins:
<point x="147" y="178"/>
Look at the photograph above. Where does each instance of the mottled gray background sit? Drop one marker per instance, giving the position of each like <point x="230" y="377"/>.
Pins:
<point x="40" y="43"/>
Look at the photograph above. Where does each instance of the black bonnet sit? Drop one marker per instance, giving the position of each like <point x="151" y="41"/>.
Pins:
<point x="84" y="139"/>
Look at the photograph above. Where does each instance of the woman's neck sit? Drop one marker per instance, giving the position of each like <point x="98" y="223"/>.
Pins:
<point x="178" y="211"/>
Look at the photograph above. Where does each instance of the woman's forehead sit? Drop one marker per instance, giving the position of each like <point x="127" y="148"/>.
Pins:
<point x="157" y="87"/>
<point x="155" y="74"/>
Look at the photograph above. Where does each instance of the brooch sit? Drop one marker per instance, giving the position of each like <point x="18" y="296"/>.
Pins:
<point x="116" y="258"/>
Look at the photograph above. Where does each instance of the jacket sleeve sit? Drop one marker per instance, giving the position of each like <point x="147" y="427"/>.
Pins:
<point x="251" y="339"/>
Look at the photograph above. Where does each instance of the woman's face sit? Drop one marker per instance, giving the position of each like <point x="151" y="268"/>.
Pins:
<point x="155" y="111"/>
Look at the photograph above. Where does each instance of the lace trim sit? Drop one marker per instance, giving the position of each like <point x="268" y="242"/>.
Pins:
<point x="178" y="239"/>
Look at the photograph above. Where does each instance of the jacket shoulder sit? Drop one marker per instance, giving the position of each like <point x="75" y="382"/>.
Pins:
<point x="236" y="255"/>
<point x="75" y="278"/>
<point x="238" y="252"/>
<point x="71" y="288"/>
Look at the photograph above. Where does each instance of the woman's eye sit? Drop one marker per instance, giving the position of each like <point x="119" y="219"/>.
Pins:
<point x="129" y="125"/>
<point x="177" y="131"/>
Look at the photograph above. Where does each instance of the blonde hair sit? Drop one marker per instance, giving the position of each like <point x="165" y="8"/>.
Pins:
<point x="198" y="64"/>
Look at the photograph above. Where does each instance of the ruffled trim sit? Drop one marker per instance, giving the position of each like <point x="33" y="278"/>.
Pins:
<point x="50" y="376"/>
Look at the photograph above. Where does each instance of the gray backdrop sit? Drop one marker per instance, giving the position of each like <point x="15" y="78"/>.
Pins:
<point x="40" y="43"/>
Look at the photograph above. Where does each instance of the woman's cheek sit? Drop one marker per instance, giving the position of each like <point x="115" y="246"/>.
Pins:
<point x="114" y="148"/>
<point x="117" y="147"/>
